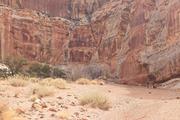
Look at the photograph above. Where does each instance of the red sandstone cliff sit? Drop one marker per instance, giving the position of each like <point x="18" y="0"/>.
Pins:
<point x="71" y="9"/>
<point x="138" y="39"/>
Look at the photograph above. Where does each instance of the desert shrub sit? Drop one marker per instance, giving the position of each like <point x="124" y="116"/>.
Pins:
<point x="42" y="90"/>
<point x="46" y="71"/>
<point x="91" y="71"/>
<point x="59" y="73"/>
<point x="34" y="79"/>
<point x="8" y="114"/>
<point x="58" y="83"/>
<point x="17" y="81"/>
<point x="94" y="82"/>
<point x="15" y="64"/>
<point x="77" y="73"/>
<point x="98" y="82"/>
<point x="45" y="81"/>
<point x="83" y="81"/>
<point x="40" y="70"/>
<point x="95" y="100"/>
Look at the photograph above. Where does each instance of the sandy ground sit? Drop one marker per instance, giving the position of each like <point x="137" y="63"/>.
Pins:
<point x="128" y="103"/>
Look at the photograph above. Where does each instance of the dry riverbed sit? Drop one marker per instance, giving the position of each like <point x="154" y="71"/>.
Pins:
<point x="125" y="102"/>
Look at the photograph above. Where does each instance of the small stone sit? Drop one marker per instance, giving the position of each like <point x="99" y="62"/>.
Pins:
<point x="16" y="95"/>
<point x="101" y="83"/>
<point x="33" y="98"/>
<point x="76" y="114"/>
<point x="36" y="107"/>
<point x="52" y="104"/>
<point x="65" y="107"/>
<point x="39" y="105"/>
<point x="60" y="103"/>
<point x="73" y="104"/>
<point x="52" y="109"/>
<point x="60" y="98"/>
<point x="20" y="111"/>
<point x="84" y="119"/>
<point x="75" y="97"/>
<point x="178" y="98"/>
<point x="69" y="95"/>
<point x="83" y="110"/>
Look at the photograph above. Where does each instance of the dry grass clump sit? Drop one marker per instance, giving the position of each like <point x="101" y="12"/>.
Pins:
<point x="34" y="79"/>
<point x="97" y="82"/>
<point x="42" y="90"/>
<point x="94" y="82"/>
<point x="18" y="81"/>
<point x="58" y="83"/>
<point x="8" y="114"/>
<point x="63" y="115"/>
<point x="45" y="81"/>
<point x="83" y="81"/>
<point x="95" y="100"/>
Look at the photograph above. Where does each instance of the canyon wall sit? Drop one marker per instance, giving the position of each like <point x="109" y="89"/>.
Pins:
<point x="70" y="9"/>
<point x="35" y="37"/>
<point x="139" y="40"/>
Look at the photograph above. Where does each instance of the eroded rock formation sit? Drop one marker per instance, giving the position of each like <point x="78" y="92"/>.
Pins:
<point x="139" y="40"/>
<point x="33" y="36"/>
<point x="71" y="9"/>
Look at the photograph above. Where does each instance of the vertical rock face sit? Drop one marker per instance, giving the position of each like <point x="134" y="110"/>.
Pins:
<point x="26" y="34"/>
<point x="138" y="39"/>
<point x="71" y="9"/>
<point x="154" y="51"/>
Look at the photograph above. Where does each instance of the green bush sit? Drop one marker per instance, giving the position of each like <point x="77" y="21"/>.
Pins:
<point x="40" y="70"/>
<point x="45" y="70"/>
<point x="59" y="73"/>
